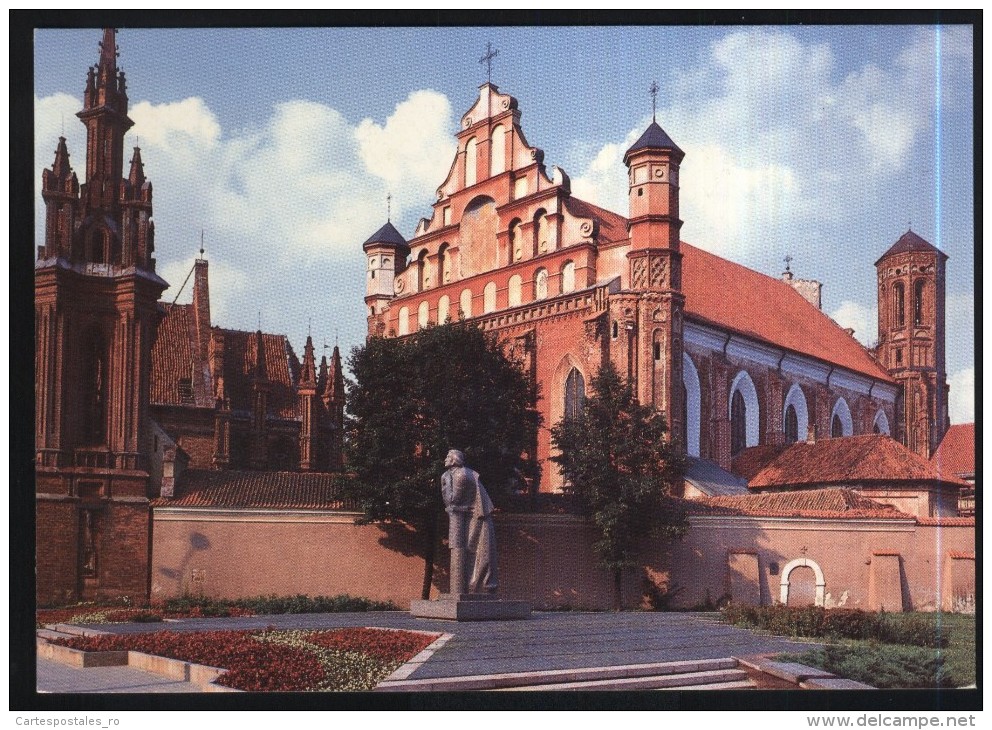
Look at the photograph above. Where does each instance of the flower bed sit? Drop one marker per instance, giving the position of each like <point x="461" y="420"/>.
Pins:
<point x="92" y="614"/>
<point x="278" y="661"/>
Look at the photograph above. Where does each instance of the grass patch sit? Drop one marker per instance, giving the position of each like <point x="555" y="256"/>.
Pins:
<point x="886" y="666"/>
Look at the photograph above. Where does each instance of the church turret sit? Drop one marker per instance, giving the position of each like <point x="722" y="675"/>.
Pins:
<point x="259" y="456"/>
<point x="911" y="299"/>
<point x="307" y="393"/>
<point x="136" y="216"/>
<point x="386" y="251"/>
<point x="322" y="374"/>
<point x="333" y="397"/>
<point x="60" y="191"/>
<point x="655" y="332"/>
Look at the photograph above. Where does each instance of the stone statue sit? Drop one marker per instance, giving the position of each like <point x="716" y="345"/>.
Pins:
<point x="471" y="533"/>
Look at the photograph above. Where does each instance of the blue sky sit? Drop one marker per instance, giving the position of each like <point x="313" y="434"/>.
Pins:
<point x="824" y="143"/>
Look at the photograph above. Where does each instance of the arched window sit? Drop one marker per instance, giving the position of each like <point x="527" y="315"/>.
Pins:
<point x="575" y="394"/>
<point x="841" y="423"/>
<point x="422" y="270"/>
<point x="516" y="245"/>
<point x="795" y="401"/>
<point x="836" y="427"/>
<point x="513" y="292"/>
<point x="918" y="302"/>
<point x="568" y="277"/>
<point x="746" y="432"/>
<point x="540" y="232"/>
<point x="899" y="295"/>
<point x="443" y="309"/>
<point x="94" y="394"/>
<point x="97" y="253"/>
<point x="423" y="315"/>
<point x="881" y="424"/>
<point x="403" y="326"/>
<point x="465" y="303"/>
<point x="471" y="161"/>
<point x="691" y="410"/>
<point x="791" y="425"/>
<point x="489" y="298"/>
<point x="541" y="284"/>
<point x="443" y="265"/>
<point x="738" y="424"/>
<point x="497" y="151"/>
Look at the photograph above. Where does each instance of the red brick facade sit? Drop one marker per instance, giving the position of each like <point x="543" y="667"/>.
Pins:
<point x="732" y="357"/>
<point x="96" y="317"/>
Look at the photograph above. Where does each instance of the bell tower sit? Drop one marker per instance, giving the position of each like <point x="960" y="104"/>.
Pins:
<point x="386" y="251"/>
<point x="655" y="273"/>
<point x="96" y="314"/>
<point x="911" y="300"/>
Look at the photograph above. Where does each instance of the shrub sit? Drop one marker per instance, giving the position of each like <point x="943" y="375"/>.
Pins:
<point x="266" y="605"/>
<point x="841" y="623"/>
<point x="882" y="666"/>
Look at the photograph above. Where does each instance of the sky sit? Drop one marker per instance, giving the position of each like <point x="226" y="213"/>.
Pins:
<point x="281" y="145"/>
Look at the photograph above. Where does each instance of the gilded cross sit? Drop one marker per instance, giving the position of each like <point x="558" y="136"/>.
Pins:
<point x="654" y="101"/>
<point x="488" y="60"/>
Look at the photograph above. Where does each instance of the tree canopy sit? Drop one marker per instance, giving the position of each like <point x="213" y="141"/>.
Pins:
<point x="620" y="466"/>
<point x="412" y="399"/>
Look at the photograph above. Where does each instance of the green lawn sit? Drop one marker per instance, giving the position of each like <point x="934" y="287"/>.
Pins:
<point x="901" y="666"/>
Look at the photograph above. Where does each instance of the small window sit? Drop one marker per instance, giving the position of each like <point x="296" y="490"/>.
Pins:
<point x="575" y="394"/>
<point x="616" y="329"/>
<point x="657" y="351"/>
<point x="640" y="192"/>
<point x="918" y="303"/>
<point x="899" y="356"/>
<point x="373" y="273"/>
<point x="836" y="427"/>
<point x="899" y="292"/>
<point x="738" y="424"/>
<point x="791" y="425"/>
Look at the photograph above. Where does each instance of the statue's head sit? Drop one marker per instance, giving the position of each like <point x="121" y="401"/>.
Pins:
<point x="455" y="458"/>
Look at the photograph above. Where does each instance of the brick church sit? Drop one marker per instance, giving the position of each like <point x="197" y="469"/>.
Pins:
<point x="735" y="359"/>
<point x="135" y="396"/>
<point x="173" y="455"/>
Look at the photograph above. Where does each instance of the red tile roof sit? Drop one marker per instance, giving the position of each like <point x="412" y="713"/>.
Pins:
<point x="612" y="226"/>
<point x="946" y="521"/>
<point x="734" y="297"/>
<point x="281" y="365"/>
<point x="173" y="358"/>
<point x="848" y="460"/>
<point x="258" y="489"/>
<point x="908" y="242"/>
<point x="956" y="453"/>
<point x="812" y="503"/>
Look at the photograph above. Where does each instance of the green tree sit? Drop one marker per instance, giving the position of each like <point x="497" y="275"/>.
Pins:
<point x="617" y="462"/>
<point x="411" y="400"/>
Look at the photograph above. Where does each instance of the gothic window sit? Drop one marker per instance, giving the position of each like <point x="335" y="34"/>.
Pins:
<point x="94" y="389"/>
<point x="97" y="252"/>
<point x="423" y="315"/>
<point x="791" y="425"/>
<point x="875" y="428"/>
<point x="443" y="265"/>
<point x="918" y="303"/>
<point x="89" y="542"/>
<point x="575" y="394"/>
<point x="841" y="423"/>
<point x="738" y="424"/>
<point x="836" y="427"/>
<point x="568" y="277"/>
<point x="691" y="411"/>
<point x="899" y="294"/>
<point x="465" y="303"/>
<point x="443" y="309"/>
<point x="541" y="284"/>
<point x="471" y="161"/>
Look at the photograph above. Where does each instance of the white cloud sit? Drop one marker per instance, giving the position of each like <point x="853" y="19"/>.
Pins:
<point x="962" y="395"/>
<point x="303" y="190"/>
<point x="864" y="321"/>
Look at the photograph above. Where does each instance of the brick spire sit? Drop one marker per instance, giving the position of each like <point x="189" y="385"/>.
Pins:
<point x="137" y="175"/>
<point x="322" y="374"/>
<point x="261" y="373"/>
<point x="308" y="378"/>
<point x="335" y="384"/>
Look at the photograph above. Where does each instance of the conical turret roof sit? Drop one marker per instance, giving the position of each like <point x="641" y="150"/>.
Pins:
<point x="387" y="234"/>
<point x="909" y="242"/>
<point x="654" y="137"/>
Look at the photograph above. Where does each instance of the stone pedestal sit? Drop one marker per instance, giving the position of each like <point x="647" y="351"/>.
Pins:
<point x="470" y="607"/>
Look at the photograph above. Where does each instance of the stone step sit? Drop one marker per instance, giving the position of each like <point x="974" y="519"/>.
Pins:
<point x="719" y="678"/>
<point x="484" y="682"/>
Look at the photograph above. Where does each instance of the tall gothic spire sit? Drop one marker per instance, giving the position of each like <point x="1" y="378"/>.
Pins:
<point x="137" y="174"/>
<point x="61" y="167"/>
<point x="261" y="373"/>
<point x="308" y="378"/>
<point x="322" y="374"/>
<point x="335" y="383"/>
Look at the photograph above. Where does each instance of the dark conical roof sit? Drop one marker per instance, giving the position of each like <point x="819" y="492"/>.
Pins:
<point x="387" y="234"/>
<point x="909" y="242"/>
<point x="654" y="137"/>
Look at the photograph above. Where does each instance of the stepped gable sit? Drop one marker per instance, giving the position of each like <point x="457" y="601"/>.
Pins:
<point x="812" y="503"/>
<point x="847" y="460"/>
<point x="956" y="453"/>
<point x="258" y="490"/>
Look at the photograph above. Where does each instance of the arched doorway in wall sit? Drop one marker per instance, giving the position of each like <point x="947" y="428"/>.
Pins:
<point x="802" y="583"/>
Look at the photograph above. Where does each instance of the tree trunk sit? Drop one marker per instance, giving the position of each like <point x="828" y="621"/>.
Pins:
<point x="617" y="589"/>
<point x="430" y="552"/>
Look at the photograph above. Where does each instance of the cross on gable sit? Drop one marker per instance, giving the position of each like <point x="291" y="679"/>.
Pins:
<point x="488" y="60"/>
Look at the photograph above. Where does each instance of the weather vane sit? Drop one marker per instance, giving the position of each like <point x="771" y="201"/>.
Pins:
<point x="488" y="60"/>
<point x="788" y="260"/>
<point x="389" y="207"/>
<point x="201" y="243"/>
<point x="654" y="101"/>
